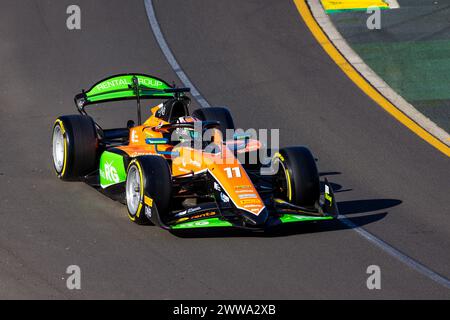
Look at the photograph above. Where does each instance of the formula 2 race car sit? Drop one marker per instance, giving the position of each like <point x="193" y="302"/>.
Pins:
<point x="181" y="171"/>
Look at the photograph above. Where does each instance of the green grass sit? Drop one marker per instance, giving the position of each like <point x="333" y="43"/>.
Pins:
<point x="418" y="71"/>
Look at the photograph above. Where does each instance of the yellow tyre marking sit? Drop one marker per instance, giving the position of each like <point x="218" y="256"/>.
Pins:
<point x="286" y="172"/>
<point x="288" y="177"/>
<point x="138" y="212"/>
<point x="63" y="131"/>
<point x="279" y="156"/>
<point x="362" y="83"/>
<point x="132" y="218"/>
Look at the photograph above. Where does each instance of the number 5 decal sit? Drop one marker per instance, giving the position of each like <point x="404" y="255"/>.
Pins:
<point x="233" y="172"/>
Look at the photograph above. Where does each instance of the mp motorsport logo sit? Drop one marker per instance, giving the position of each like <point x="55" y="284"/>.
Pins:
<point x="112" y="170"/>
<point x="110" y="173"/>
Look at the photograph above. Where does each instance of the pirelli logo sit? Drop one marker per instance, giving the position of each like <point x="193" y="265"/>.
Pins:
<point x="148" y="201"/>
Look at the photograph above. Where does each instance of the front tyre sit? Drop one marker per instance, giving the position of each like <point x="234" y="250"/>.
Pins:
<point x="297" y="178"/>
<point x="148" y="189"/>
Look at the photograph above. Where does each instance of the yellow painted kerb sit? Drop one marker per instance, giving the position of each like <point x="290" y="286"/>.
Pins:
<point x="353" y="4"/>
<point x="362" y="83"/>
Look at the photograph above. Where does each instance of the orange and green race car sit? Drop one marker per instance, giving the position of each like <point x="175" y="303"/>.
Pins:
<point x="179" y="170"/>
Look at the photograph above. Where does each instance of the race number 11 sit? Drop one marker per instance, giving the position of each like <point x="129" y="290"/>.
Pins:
<point x="233" y="172"/>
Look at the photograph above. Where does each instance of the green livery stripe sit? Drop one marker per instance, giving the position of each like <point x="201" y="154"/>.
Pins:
<point x="352" y="10"/>
<point x="331" y="6"/>
<point x="287" y="218"/>
<point x="124" y="95"/>
<point x="206" y="223"/>
<point x="118" y="87"/>
<point x="217" y="223"/>
<point x="112" y="169"/>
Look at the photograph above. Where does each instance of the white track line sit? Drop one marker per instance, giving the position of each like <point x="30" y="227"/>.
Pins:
<point x="396" y="253"/>
<point x="343" y="219"/>
<point x="169" y="55"/>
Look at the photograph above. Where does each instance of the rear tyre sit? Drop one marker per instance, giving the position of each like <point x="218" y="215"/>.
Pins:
<point x="148" y="189"/>
<point x="297" y="178"/>
<point x="220" y="114"/>
<point x="74" y="146"/>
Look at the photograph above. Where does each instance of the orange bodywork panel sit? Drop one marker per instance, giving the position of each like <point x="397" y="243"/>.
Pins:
<point x="225" y="169"/>
<point x="222" y="165"/>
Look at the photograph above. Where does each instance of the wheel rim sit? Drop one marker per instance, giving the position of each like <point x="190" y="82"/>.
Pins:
<point x="58" y="149"/>
<point x="281" y="181"/>
<point x="133" y="190"/>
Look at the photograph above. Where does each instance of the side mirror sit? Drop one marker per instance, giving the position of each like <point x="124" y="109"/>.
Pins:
<point x="130" y="124"/>
<point x="158" y="141"/>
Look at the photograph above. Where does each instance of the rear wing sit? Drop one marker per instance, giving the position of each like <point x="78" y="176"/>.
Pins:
<point x="125" y="87"/>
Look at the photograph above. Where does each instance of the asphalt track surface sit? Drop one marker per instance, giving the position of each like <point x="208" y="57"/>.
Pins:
<point x="258" y="58"/>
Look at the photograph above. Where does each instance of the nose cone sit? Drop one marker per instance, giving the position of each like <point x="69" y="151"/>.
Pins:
<point x="256" y="220"/>
<point x="235" y="182"/>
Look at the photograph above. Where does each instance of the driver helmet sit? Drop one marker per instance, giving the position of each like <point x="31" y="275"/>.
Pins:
<point x="187" y="134"/>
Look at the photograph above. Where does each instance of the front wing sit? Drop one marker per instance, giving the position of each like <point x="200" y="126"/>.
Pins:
<point x="209" y="215"/>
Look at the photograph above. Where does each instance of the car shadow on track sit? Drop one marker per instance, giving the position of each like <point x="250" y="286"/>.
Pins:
<point x="337" y="188"/>
<point x="347" y="208"/>
<point x="363" y="206"/>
